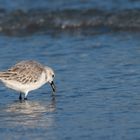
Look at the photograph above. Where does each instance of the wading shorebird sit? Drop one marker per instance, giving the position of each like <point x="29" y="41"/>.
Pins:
<point x="26" y="76"/>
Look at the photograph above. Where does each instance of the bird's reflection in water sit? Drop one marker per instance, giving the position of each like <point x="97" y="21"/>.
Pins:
<point x="31" y="113"/>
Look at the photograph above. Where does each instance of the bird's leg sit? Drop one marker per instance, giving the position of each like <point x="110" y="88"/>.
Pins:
<point x="25" y="97"/>
<point x="20" y="96"/>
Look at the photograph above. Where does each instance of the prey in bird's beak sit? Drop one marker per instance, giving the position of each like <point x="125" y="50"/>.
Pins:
<point x="53" y="86"/>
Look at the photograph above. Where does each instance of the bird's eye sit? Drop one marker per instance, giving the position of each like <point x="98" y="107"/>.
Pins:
<point x="53" y="75"/>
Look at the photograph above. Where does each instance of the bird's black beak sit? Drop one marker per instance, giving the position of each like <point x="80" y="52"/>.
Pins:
<point x="53" y="86"/>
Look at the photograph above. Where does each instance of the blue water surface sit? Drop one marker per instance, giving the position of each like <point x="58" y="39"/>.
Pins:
<point x="97" y="79"/>
<point x="72" y="4"/>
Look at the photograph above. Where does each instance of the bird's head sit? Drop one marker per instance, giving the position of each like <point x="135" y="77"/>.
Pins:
<point x="50" y="77"/>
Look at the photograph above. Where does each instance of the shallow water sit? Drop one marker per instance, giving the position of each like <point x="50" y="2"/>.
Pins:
<point x="97" y="80"/>
<point x="76" y="4"/>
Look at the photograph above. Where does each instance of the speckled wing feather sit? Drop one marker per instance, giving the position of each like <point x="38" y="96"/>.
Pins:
<point x="24" y="72"/>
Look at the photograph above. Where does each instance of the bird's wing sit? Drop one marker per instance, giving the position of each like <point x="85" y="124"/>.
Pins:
<point x="23" y="72"/>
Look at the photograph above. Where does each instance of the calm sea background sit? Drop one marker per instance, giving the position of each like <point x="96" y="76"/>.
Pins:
<point x="97" y="76"/>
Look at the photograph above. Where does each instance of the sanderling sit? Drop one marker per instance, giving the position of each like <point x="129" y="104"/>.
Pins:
<point x="26" y="76"/>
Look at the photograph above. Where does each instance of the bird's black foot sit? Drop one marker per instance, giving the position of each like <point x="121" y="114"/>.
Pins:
<point x="25" y="98"/>
<point x="20" y="96"/>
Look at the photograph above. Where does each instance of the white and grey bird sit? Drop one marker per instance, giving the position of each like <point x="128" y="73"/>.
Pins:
<point x="26" y="76"/>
